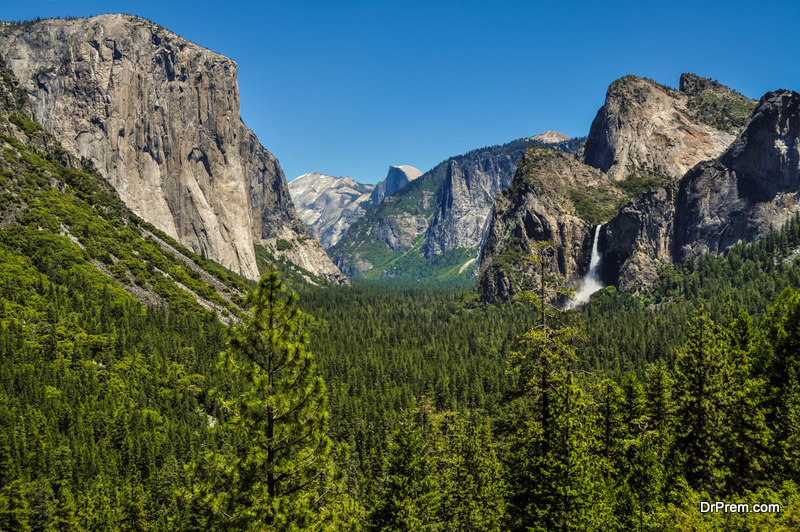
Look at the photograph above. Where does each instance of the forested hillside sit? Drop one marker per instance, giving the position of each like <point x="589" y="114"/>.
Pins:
<point x="143" y="387"/>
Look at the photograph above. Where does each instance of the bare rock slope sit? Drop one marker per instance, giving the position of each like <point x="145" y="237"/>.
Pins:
<point x="329" y="205"/>
<point x="754" y="185"/>
<point x="645" y="126"/>
<point x="159" y="118"/>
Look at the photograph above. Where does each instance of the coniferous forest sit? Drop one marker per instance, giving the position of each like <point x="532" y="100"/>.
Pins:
<point x="144" y="387"/>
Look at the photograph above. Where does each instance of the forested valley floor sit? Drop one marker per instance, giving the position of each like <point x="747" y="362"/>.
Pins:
<point x="142" y="388"/>
<point x="445" y="413"/>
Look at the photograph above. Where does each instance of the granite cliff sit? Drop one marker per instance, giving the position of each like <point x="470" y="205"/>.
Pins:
<point x="158" y="116"/>
<point x="397" y="178"/>
<point x="647" y="127"/>
<point x="753" y="185"/>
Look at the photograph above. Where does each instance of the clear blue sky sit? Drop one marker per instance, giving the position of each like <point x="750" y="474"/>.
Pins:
<point x="348" y="88"/>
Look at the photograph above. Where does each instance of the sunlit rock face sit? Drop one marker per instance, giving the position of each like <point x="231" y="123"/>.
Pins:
<point x="159" y="118"/>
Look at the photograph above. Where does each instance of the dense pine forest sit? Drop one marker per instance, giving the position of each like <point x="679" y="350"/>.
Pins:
<point x="143" y="387"/>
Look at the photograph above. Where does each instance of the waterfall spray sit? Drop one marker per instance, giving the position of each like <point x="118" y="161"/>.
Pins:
<point x="591" y="282"/>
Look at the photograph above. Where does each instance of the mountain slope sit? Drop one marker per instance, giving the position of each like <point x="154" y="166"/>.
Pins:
<point x="646" y="127"/>
<point x="329" y="205"/>
<point x="431" y="230"/>
<point x="62" y="218"/>
<point x="751" y="187"/>
<point x="158" y="116"/>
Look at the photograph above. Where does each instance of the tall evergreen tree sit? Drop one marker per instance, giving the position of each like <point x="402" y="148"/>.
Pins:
<point x="283" y="475"/>
<point x="472" y="485"/>
<point x="747" y="434"/>
<point x="700" y="377"/>
<point x="411" y="498"/>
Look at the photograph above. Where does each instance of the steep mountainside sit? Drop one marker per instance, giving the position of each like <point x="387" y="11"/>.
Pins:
<point x="63" y="222"/>
<point x="541" y="205"/>
<point x="431" y="230"/>
<point x="159" y="117"/>
<point x="329" y="205"/>
<point x="647" y="128"/>
<point x="755" y="184"/>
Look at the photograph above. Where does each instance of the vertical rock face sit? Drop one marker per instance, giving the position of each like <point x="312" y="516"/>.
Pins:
<point x="397" y="178"/>
<point x="465" y="202"/>
<point x="537" y="207"/>
<point x="755" y="184"/>
<point x="647" y="126"/>
<point x="159" y="117"/>
<point x="639" y="239"/>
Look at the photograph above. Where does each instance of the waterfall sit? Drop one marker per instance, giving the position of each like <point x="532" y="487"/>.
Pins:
<point x="591" y="282"/>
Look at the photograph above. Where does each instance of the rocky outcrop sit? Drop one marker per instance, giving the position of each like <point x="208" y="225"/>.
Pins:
<point x="550" y="137"/>
<point x="397" y="178"/>
<point x="647" y="127"/>
<point x="329" y="205"/>
<point x="537" y="207"/>
<point x="465" y="201"/>
<point x="754" y="185"/>
<point x="159" y="118"/>
<point x="639" y="239"/>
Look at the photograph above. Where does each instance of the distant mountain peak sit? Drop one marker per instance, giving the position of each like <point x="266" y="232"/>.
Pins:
<point x="398" y="177"/>
<point x="550" y="137"/>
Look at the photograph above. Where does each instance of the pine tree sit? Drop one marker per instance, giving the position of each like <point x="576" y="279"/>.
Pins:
<point x="700" y="376"/>
<point x="14" y="508"/>
<point x="410" y="498"/>
<point x="473" y="488"/>
<point x="659" y="405"/>
<point x="747" y="434"/>
<point x="283" y="476"/>
<point x="556" y="483"/>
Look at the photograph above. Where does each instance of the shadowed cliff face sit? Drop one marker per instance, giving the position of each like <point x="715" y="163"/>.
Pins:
<point x="755" y="184"/>
<point x="159" y="117"/>
<point x="464" y="206"/>
<point x="644" y="125"/>
<point x="537" y="207"/>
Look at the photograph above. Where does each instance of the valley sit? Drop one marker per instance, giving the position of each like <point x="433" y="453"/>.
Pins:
<point x="554" y="333"/>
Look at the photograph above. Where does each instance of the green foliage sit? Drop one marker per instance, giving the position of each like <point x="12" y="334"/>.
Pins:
<point x="412" y="268"/>
<point x="283" y="245"/>
<point x="728" y="114"/>
<point x="29" y="127"/>
<point x="595" y="205"/>
<point x="283" y="475"/>
<point x="642" y="180"/>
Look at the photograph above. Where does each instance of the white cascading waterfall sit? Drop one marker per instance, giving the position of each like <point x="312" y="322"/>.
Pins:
<point x="591" y="282"/>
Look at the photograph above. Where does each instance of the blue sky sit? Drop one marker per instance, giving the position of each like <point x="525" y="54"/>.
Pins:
<point x="349" y="88"/>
